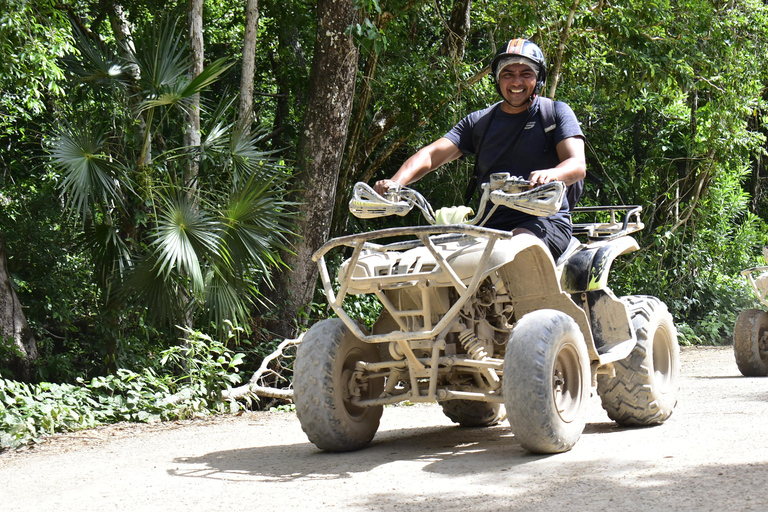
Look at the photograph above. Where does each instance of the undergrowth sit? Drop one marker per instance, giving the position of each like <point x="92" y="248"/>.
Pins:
<point x="191" y="384"/>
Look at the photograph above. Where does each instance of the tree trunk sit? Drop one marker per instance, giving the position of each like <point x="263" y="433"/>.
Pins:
<point x="245" y="111"/>
<point x="192" y="132"/>
<point x="319" y="153"/>
<point x="18" y="345"/>
<point x="564" y="35"/>
<point x="121" y="27"/>
<point x="457" y="30"/>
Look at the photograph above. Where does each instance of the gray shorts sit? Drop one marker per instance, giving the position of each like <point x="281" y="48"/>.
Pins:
<point x="553" y="232"/>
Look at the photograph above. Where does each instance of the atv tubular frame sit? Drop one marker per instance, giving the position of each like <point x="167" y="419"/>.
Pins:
<point x="585" y="306"/>
<point x="360" y="241"/>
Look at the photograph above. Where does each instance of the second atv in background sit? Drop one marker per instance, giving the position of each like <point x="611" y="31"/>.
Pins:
<point x="750" y="334"/>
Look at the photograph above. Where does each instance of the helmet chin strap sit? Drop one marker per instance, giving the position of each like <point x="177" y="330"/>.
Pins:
<point x="528" y="101"/>
<point x="517" y="106"/>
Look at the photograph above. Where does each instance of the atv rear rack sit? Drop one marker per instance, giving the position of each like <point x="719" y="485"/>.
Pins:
<point x="614" y="227"/>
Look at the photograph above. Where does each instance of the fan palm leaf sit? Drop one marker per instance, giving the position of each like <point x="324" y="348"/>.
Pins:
<point x="164" y="297"/>
<point x="225" y="298"/>
<point x="185" y="235"/>
<point x="108" y="252"/>
<point x="182" y="89"/>
<point x="215" y="142"/>
<point x="248" y="158"/>
<point x="257" y="224"/>
<point x="88" y="174"/>
<point x="161" y="56"/>
<point x="203" y="250"/>
<point x="95" y="63"/>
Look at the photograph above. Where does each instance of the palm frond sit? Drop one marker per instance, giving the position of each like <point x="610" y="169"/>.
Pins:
<point x="108" y="251"/>
<point x="248" y="159"/>
<point x="230" y="153"/>
<point x="216" y="140"/>
<point x="212" y="153"/>
<point x="181" y="89"/>
<point x="161" y="56"/>
<point x="164" y="297"/>
<point x="224" y="297"/>
<point x="96" y="63"/>
<point x="206" y="77"/>
<point x="88" y="175"/>
<point x="258" y="223"/>
<point x="185" y="235"/>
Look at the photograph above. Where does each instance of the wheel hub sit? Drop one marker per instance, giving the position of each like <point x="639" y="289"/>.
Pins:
<point x="762" y="345"/>
<point x="566" y="384"/>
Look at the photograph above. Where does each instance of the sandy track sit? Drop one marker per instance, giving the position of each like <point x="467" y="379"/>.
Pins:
<point x="711" y="455"/>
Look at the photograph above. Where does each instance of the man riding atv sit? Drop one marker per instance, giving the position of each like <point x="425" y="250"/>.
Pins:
<point x="513" y="136"/>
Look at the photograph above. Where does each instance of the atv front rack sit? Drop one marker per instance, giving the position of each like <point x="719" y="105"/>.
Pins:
<point x="414" y="324"/>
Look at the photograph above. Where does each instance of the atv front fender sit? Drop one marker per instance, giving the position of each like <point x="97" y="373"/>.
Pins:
<point x="585" y="273"/>
<point x="588" y="268"/>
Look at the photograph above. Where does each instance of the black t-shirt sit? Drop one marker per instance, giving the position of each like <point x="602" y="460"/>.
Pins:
<point x="532" y="151"/>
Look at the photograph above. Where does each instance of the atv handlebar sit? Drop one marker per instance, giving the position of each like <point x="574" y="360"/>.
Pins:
<point x="502" y="190"/>
<point x="758" y="283"/>
<point x="366" y="203"/>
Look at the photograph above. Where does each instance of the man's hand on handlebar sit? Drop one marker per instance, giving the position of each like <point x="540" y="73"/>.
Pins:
<point x="383" y="186"/>
<point x="543" y="177"/>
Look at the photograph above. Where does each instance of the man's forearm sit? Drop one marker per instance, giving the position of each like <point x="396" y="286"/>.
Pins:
<point x="413" y="169"/>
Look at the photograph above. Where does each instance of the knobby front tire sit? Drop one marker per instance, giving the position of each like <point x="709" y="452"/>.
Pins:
<point x="325" y="363"/>
<point x="546" y="381"/>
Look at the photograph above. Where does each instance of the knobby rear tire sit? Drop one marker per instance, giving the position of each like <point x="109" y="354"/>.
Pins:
<point x="471" y="413"/>
<point x="644" y="390"/>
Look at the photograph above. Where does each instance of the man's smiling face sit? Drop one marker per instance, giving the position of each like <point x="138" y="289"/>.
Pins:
<point x="517" y="83"/>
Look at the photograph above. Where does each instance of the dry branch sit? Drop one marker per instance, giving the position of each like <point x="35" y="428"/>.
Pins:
<point x="254" y="388"/>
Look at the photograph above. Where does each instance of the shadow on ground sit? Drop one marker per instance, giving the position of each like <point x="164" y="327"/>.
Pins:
<point x="478" y="449"/>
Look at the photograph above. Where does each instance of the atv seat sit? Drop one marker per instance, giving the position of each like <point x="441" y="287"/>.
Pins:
<point x="573" y="246"/>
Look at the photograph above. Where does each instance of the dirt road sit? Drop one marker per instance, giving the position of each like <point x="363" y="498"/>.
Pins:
<point x="711" y="455"/>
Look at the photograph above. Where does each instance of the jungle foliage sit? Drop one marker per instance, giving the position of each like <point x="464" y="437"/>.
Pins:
<point x="117" y="233"/>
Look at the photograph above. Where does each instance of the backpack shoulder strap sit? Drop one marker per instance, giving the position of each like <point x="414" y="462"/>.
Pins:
<point x="549" y="122"/>
<point x="481" y="126"/>
<point x="547" y="112"/>
<point x="479" y="130"/>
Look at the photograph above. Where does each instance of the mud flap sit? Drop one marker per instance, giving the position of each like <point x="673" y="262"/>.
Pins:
<point x="611" y="326"/>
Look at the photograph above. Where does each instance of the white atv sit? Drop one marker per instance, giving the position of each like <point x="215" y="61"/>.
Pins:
<point x="750" y="335"/>
<point x="485" y="324"/>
